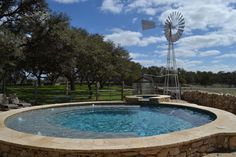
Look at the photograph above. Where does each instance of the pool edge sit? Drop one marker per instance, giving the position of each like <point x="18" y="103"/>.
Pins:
<point x="221" y="128"/>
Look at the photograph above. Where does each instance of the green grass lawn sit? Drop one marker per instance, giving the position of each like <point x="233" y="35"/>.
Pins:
<point x="57" y="94"/>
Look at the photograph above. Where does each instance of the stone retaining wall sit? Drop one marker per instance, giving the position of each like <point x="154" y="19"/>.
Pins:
<point x="220" y="101"/>
<point x="195" y="148"/>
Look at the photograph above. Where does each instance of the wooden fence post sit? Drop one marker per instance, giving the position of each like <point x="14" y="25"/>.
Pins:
<point x="97" y="90"/>
<point x="122" y="90"/>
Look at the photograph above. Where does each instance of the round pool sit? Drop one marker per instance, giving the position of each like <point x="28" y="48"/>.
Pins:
<point x="108" y="121"/>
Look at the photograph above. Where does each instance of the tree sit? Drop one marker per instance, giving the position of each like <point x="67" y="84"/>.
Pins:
<point x="9" y="53"/>
<point x="95" y="62"/>
<point x="13" y="15"/>
<point x="134" y="72"/>
<point x="72" y="62"/>
<point x="13" y="11"/>
<point x="48" y="39"/>
<point x="205" y="78"/>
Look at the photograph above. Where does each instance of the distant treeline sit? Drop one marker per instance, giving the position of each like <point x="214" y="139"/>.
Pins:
<point x="196" y="78"/>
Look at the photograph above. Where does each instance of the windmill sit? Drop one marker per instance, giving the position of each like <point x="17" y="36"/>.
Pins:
<point x="173" y="30"/>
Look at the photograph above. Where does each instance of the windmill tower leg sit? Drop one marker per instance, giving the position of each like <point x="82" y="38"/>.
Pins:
<point x="171" y="85"/>
<point x="176" y="77"/>
<point x="168" y="70"/>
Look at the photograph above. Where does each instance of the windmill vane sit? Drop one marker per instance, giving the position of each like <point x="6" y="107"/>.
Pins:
<point x="147" y="24"/>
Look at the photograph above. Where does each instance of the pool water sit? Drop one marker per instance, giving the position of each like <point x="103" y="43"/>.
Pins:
<point x="108" y="121"/>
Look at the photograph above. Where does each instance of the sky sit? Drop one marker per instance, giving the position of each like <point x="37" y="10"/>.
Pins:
<point x="207" y="44"/>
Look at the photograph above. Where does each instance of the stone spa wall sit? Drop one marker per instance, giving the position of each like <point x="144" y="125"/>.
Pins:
<point x="196" y="148"/>
<point x="220" y="101"/>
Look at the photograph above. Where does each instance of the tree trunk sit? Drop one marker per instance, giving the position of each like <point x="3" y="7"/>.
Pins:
<point x="39" y="83"/>
<point x="122" y="90"/>
<point x="3" y="85"/>
<point x="23" y="79"/>
<point x="37" y="74"/>
<point x="90" y="83"/>
<point x="72" y="84"/>
<point x="53" y="81"/>
<point x="90" y="89"/>
<point x="67" y="88"/>
<point x="97" y="90"/>
<point x="102" y="84"/>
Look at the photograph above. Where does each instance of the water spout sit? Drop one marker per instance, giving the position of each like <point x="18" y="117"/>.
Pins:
<point x="39" y="133"/>
<point x="20" y="119"/>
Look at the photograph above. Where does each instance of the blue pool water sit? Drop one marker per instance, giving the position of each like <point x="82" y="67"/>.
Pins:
<point x="108" y="121"/>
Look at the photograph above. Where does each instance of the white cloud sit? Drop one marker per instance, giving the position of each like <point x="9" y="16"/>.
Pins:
<point x="208" y="40"/>
<point x="149" y="11"/>
<point x="69" y="1"/>
<point x="131" y="38"/>
<point x="114" y="6"/>
<point x="217" y="15"/>
<point x="205" y="14"/>
<point x="189" y="53"/>
<point x="209" y="53"/>
<point x="185" y="52"/>
<point x="179" y="52"/>
<point x="134" y="55"/>
<point x="188" y="64"/>
<point x="149" y="62"/>
<point x="198" y="65"/>
<point x="215" y="68"/>
<point x="134" y="20"/>
<point x="226" y="55"/>
<point x="209" y="25"/>
<point x="198" y="14"/>
<point x="149" y="7"/>
<point x="215" y="61"/>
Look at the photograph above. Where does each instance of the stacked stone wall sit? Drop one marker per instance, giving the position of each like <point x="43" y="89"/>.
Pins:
<point x="196" y="148"/>
<point x="220" y="101"/>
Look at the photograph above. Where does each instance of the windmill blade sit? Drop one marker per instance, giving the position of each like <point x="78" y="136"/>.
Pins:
<point x="177" y="20"/>
<point x="146" y="24"/>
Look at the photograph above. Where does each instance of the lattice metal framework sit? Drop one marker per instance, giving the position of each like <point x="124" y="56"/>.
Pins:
<point x="174" y="27"/>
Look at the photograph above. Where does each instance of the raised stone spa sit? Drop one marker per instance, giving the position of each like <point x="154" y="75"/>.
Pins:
<point x="155" y="98"/>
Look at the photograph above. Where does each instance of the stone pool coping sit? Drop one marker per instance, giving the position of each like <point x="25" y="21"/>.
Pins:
<point x="225" y="124"/>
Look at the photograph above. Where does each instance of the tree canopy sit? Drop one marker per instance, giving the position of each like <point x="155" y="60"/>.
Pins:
<point x="36" y="43"/>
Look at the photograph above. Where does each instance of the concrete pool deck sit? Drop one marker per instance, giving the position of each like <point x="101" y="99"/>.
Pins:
<point x="219" y="134"/>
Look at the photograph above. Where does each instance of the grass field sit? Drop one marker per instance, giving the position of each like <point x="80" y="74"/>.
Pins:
<point x="57" y="94"/>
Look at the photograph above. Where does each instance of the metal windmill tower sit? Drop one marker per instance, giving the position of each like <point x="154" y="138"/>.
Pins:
<point x="173" y="29"/>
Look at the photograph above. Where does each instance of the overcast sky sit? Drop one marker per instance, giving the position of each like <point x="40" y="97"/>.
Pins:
<point x="208" y="42"/>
